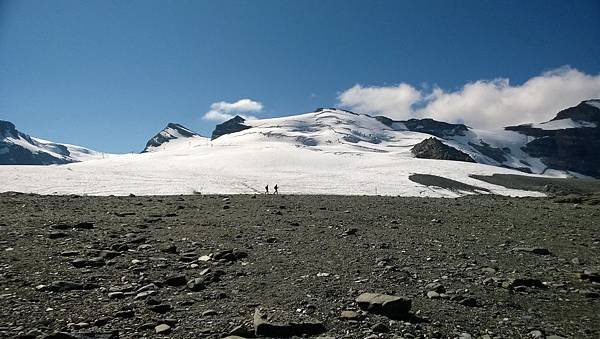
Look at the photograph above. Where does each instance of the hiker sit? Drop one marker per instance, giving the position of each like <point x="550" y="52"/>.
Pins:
<point x="267" y="189"/>
<point x="276" y="192"/>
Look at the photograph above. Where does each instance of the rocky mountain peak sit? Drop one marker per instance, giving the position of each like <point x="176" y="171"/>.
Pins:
<point x="588" y="110"/>
<point x="232" y="125"/>
<point x="7" y="128"/>
<point x="170" y="132"/>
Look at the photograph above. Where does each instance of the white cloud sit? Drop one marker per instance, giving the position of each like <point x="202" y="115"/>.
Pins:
<point x="393" y="101"/>
<point x="222" y="110"/>
<point x="484" y="103"/>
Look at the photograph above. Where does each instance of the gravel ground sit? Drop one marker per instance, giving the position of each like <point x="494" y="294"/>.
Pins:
<point x="201" y="266"/>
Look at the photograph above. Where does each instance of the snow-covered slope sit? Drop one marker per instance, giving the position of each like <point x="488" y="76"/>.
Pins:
<point x="173" y="136"/>
<point x="19" y="148"/>
<point x="324" y="152"/>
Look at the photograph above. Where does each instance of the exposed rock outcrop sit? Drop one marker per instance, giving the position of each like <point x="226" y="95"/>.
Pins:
<point x="171" y="132"/>
<point x="432" y="148"/>
<point x="571" y="149"/>
<point x="235" y="124"/>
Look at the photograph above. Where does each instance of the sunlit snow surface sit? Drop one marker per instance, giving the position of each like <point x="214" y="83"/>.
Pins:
<point x="563" y="124"/>
<point x="328" y="152"/>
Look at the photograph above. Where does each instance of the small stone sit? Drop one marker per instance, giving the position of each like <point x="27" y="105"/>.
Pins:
<point x="60" y="335"/>
<point x="172" y="249"/>
<point x="161" y="308"/>
<point x="63" y="286"/>
<point x="125" y="314"/>
<point x="57" y="235"/>
<point x="153" y="301"/>
<point x="148" y="287"/>
<point x="107" y="254"/>
<point x="145" y="294"/>
<point x="79" y="262"/>
<point x="178" y="280"/>
<point x="69" y="253"/>
<point x="209" y="313"/>
<point x="84" y="225"/>
<point x="469" y="301"/>
<point x="264" y="328"/>
<point x="162" y="329"/>
<point x="488" y="270"/>
<point x="116" y="295"/>
<point x="350" y="231"/>
<point x="536" y="334"/>
<point x="350" y="315"/>
<point x="589" y="275"/>
<point x="534" y="250"/>
<point x="436" y="287"/>
<point x="525" y="282"/>
<point x="433" y="295"/>
<point x="196" y="284"/>
<point x="380" y="328"/>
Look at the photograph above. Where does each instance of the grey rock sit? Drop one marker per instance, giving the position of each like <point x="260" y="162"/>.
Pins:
<point x="534" y="250"/>
<point x="264" y="328"/>
<point x="433" y="295"/>
<point x="116" y="295"/>
<point x="162" y="329"/>
<point x="178" y="280"/>
<point x="161" y="308"/>
<point x="64" y="286"/>
<point x="391" y="306"/>
<point x="380" y="328"/>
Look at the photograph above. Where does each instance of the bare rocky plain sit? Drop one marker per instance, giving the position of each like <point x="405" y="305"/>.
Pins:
<point x="283" y="265"/>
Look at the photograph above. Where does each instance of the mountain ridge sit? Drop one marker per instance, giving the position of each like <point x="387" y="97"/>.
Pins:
<point x="566" y="143"/>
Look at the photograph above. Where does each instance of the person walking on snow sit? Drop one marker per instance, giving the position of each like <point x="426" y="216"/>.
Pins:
<point x="267" y="189"/>
<point x="276" y="192"/>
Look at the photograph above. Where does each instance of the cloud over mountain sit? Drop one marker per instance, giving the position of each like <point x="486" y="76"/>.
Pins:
<point x="483" y="103"/>
<point x="222" y="110"/>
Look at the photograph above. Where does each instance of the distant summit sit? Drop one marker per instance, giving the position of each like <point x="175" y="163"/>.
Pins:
<point x="568" y="142"/>
<point x="17" y="148"/>
<point x="170" y="134"/>
<point x="235" y="124"/>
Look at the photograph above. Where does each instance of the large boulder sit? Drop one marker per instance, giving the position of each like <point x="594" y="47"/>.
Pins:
<point x="432" y="148"/>
<point x="393" y="307"/>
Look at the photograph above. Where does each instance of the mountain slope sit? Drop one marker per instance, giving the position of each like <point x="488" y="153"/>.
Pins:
<point x="329" y="151"/>
<point x="17" y="148"/>
<point x="568" y="142"/>
<point x="325" y="152"/>
<point x="173" y="135"/>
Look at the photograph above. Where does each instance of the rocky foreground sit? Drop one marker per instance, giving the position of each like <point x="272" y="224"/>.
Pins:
<point x="281" y="266"/>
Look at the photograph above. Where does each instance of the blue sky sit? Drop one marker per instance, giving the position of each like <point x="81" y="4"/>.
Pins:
<point x="110" y="74"/>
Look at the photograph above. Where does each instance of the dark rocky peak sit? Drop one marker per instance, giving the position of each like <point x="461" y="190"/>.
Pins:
<point x="432" y="148"/>
<point x="438" y="128"/>
<point x="7" y="128"/>
<point x="233" y="125"/>
<point x="588" y="110"/>
<point x="172" y="131"/>
<point x="180" y="129"/>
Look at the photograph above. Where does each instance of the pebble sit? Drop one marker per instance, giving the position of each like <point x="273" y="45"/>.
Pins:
<point x="162" y="329"/>
<point x="161" y="308"/>
<point x="116" y="295"/>
<point x="350" y="315"/>
<point x="433" y="295"/>
<point x="380" y="328"/>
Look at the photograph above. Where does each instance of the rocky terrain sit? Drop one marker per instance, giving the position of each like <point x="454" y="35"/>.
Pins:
<point x="330" y="266"/>
<point x="432" y="148"/>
